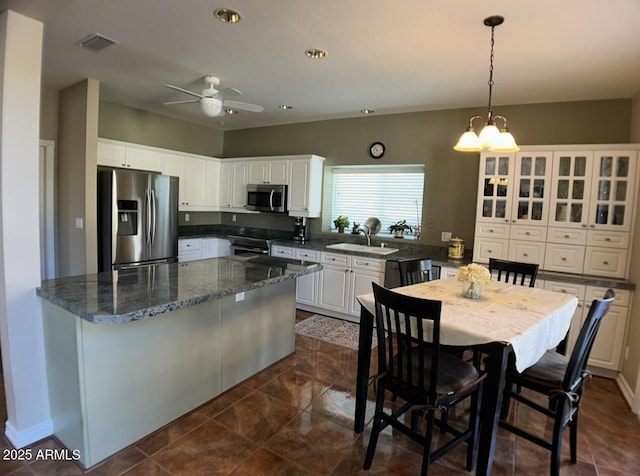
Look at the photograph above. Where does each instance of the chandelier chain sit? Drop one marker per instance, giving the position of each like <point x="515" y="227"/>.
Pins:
<point x="491" y="69"/>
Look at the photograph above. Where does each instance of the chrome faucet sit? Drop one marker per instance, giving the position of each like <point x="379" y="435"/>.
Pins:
<point x="365" y="229"/>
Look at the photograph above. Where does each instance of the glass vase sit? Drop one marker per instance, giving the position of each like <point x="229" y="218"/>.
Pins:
<point x="471" y="290"/>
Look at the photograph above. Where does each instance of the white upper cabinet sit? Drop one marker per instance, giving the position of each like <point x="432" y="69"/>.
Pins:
<point x="199" y="176"/>
<point x="569" y="210"/>
<point x="268" y="171"/>
<point x="130" y="156"/>
<point x="304" y="194"/>
<point x="233" y="185"/>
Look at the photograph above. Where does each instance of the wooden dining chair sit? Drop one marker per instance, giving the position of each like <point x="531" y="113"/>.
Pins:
<point x="426" y="380"/>
<point x="561" y="379"/>
<point x="513" y="271"/>
<point x="414" y="271"/>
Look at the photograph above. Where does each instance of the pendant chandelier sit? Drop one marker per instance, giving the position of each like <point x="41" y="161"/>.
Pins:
<point x="492" y="138"/>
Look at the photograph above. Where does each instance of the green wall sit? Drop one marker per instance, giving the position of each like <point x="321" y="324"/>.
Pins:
<point x="134" y="125"/>
<point x="428" y="137"/>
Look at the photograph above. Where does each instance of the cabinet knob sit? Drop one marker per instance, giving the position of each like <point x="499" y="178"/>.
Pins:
<point x="607" y="239"/>
<point x="606" y="263"/>
<point x="525" y="254"/>
<point x="490" y="230"/>
<point x="564" y="259"/>
<point x="527" y="233"/>
<point x="567" y="236"/>
<point x="592" y="226"/>
<point x="584" y="226"/>
<point x="489" y="251"/>
<point x="513" y="221"/>
<point x="507" y="221"/>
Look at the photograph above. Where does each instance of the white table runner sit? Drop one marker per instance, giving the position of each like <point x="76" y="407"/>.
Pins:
<point x="532" y="320"/>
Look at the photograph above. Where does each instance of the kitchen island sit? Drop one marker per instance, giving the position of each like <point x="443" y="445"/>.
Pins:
<point x="130" y="351"/>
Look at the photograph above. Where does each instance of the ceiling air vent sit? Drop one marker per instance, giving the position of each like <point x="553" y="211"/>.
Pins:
<point x="96" y="42"/>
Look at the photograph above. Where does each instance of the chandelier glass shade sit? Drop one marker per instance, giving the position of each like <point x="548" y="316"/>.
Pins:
<point x="490" y="137"/>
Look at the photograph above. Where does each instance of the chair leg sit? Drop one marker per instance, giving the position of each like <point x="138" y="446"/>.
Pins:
<point x="376" y="428"/>
<point x="556" y="442"/>
<point x="474" y="425"/>
<point x="426" y="452"/>
<point x="573" y="438"/>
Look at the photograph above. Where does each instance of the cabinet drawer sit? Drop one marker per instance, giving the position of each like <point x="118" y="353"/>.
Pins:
<point x="492" y="230"/>
<point x="605" y="262"/>
<point x="526" y="251"/>
<point x="485" y="248"/>
<point x="567" y="236"/>
<point x="282" y="252"/>
<point x="623" y="296"/>
<point x="189" y="244"/>
<point x="609" y="239"/>
<point x="308" y="255"/>
<point x="528" y="233"/>
<point x="564" y="258"/>
<point x="369" y="264"/>
<point x="335" y="259"/>
<point x="577" y="290"/>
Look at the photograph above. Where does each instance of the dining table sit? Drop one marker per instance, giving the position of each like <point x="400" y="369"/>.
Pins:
<point x="507" y="320"/>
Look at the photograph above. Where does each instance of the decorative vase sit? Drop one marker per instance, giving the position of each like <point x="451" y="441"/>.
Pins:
<point x="398" y="234"/>
<point x="471" y="290"/>
<point x="340" y="229"/>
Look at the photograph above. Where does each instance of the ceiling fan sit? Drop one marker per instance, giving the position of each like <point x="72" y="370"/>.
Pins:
<point x="213" y="102"/>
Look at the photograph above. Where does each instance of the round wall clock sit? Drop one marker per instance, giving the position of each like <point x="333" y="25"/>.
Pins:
<point x="376" y="150"/>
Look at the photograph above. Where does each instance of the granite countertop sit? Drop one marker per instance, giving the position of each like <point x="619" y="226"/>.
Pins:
<point x="408" y="249"/>
<point x="133" y="294"/>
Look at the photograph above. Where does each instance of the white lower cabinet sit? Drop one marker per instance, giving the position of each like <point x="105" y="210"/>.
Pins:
<point x="334" y="290"/>
<point x="191" y="249"/>
<point x="606" y="354"/>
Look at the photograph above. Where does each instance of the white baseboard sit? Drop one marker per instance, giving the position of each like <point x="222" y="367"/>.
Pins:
<point x="627" y="392"/>
<point x="22" y="438"/>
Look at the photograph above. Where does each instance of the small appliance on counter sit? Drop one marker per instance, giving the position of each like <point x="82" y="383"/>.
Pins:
<point x="300" y="230"/>
<point x="456" y="248"/>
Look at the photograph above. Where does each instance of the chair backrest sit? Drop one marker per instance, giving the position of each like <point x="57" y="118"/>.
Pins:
<point x="584" y="343"/>
<point x="415" y="271"/>
<point x="410" y="323"/>
<point x="514" y="271"/>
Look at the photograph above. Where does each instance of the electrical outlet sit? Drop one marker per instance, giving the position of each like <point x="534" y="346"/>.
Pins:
<point x="626" y="353"/>
<point x="186" y="217"/>
<point x="79" y="223"/>
<point x="234" y="217"/>
<point x="446" y="236"/>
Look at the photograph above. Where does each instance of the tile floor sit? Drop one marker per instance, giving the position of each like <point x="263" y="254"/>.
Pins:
<point x="295" y="418"/>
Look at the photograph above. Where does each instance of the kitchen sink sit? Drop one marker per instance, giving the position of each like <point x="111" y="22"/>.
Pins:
<point x="378" y="250"/>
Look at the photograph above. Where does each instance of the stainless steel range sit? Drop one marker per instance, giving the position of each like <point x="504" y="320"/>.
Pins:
<point x="245" y="247"/>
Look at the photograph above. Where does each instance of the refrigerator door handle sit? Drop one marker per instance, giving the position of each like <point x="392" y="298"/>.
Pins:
<point x="147" y="231"/>
<point x="153" y="217"/>
<point x="114" y="217"/>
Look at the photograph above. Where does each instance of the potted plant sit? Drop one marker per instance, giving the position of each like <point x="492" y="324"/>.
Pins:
<point x="341" y="223"/>
<point x="399" y="228"/>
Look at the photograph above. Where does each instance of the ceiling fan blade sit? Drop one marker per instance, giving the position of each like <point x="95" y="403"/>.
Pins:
<point x="245" y="106"/>
<point x="182" y="102"/>
<point x="186" y="91"/>
<point x="227" y="93"/>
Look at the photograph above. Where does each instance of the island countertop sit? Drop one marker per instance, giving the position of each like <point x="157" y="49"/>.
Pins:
<point x="133" y="294"/>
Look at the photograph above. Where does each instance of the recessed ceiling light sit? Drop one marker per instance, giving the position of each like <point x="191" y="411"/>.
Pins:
<point x="315" y="53"/>
<point x="228" y="16"/>
<point x="231" y="111"/>
<point x="367" y="111"/>
<point x="285" y="107"/>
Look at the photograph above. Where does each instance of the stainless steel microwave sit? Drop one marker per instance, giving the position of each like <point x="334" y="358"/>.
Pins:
<point x="266" y="198"/>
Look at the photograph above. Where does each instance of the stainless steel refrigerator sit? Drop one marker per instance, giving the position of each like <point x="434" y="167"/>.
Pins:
<point x="137" y="218"/>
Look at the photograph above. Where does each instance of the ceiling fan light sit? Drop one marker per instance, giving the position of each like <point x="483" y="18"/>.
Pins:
<point x="505" y="143"/>
<point x="489" y="135"/>
<point x="211" y="107"/>
<point x="468" y="142"/>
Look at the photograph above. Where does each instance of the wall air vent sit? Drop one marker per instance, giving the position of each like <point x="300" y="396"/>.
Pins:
<point x="96" y="42"/>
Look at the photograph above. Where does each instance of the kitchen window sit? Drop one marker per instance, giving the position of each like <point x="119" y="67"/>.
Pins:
<point x="390" y="193"/>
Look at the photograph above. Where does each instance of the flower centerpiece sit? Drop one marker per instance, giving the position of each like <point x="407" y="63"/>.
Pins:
<point x="473" y="277"/>
<point x="341" y="223"/>
<point x="399" y="227"/>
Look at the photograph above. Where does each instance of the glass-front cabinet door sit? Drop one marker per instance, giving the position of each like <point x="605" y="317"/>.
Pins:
<point x="612" y="190"/>
<point x="572" y="176"/>
<point x="494" y="187"/>
<point x="532" y="188"/>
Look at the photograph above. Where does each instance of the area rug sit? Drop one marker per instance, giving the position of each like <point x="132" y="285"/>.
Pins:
<point x="335" y="331"/>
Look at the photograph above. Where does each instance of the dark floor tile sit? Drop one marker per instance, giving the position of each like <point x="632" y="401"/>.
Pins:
<point x="312" y="442"/>
<point x="161" y="438"/>
<point x="119" y="463"/>
<point x="210" y="449"/>
<point x="148" y="467"/>
<point x="257" y="417"/>
<point x="265" y="463"/>
<point x="295" y="388"/>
